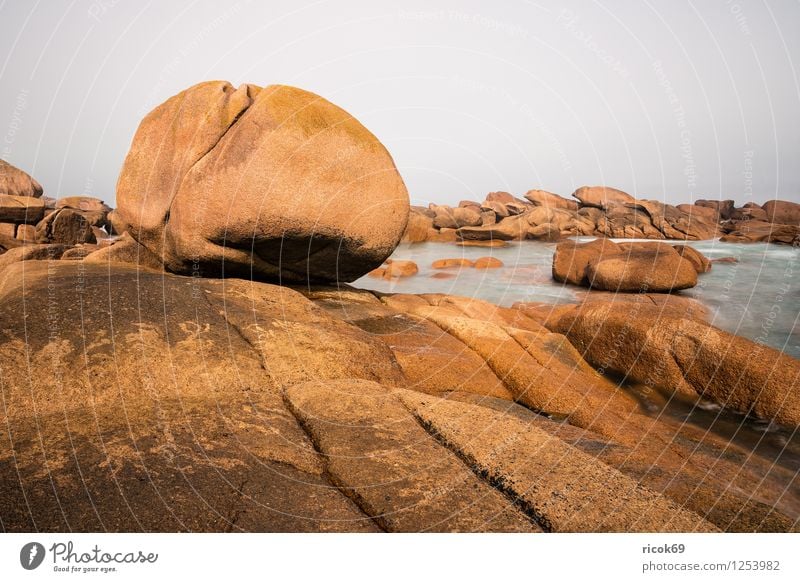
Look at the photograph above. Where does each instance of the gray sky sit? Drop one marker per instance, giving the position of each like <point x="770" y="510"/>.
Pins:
<point x="669" y="99"/>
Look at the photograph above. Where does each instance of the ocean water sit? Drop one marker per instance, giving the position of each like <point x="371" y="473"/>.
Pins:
<point x="758" y="297"/>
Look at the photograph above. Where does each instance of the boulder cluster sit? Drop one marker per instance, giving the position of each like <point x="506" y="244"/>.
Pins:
<point x="604" y="212"/>
<point x="33" y="226"/>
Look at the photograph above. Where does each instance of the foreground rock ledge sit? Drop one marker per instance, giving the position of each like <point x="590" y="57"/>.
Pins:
<point x="153" y="402"/>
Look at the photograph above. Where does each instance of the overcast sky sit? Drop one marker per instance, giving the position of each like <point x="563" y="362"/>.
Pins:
<point x="671" y="100"/>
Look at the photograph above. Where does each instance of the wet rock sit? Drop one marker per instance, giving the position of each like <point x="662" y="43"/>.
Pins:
<point x="488" y="263"/>
<point x="451" y="263"/>
<point x="699" y="261"/>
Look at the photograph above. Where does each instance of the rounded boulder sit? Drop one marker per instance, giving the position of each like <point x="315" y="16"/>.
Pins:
<point x="264" y="183"/>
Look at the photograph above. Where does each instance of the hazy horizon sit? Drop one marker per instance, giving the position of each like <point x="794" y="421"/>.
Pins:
<point x="673" y="101"/>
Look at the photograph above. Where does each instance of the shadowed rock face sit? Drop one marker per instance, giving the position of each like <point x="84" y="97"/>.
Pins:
<point x="273" y="183"/>
<point x="138" y="400"/>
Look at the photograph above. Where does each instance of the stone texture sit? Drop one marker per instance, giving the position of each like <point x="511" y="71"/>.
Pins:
<point x="642" y="267"/>
<point x="15" y="182"/>
<point x="782" y="212"/>
<point x="21" y="209"/>
<point x="274" y="183"/>
<point x="601" y="196"/>
<point x="364" y="432"/>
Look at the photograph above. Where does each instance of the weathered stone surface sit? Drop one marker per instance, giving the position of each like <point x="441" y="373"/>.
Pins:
<point x="688" y="356"/>
<point x="571" y="259"/>
<point x="15" y="182"/>
<point x="432" y="361"/>
<point x="699" y="261"/>
<point x="84" y="203"/>
<point x="21" y="209"/>
<point x="601" y="196"/>
<point x="723" y="208"/>
<point x="562" y="487"/>
<point x="550" y="200"/>
<point x="451" y="263"/>
<point x="642" y="267"/>
<point x="758" y="231"/>
<point x="126" y="250"/>
<point x="167" y="419"/>
<point x="26" y="232"/>
<point x="396" y="268"/>
<point x="487" y="263"/>
<point x="8" y="229"/>
<point x="273" y="183"/>
<point x="31" y="253"/>
<point x="69" y="226"/>
<point x="782" y="212"/>
<point x="395" y="471"/>
<point x="418" y="227"/>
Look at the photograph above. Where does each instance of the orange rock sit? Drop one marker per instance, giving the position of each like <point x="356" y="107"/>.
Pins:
<point x="397" y="269"/>
<point x="450" y="263"/>
<point x="488" y="263"/>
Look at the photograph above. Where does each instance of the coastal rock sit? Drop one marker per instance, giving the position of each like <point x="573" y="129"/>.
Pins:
<point x="642" y="267"/>
<point x="687" y="356"/>
<point x="68" y="226"/>
<point x="451" y="263"/>
<point x="550" y="200"/>
<point x="21" y="209"/>
<point x="601" y="196"/>
<point x="8" y="229"/>
<point x="84" y="203"/>
<point x="396" y="269"/>
<point x="15" y="182"/>
<point x="723" y="208"/>
<point x="488" y="263"/>
<point x="273" y="183"/>
<point x="782" y="212"/>
<point x="571" y="259"/>
<point x="418" y="228"/>
<point x="31" y="253"/>
<point x="699" y="261"/>
<point x="26" y="232"/>
<point x="758" y="231"/>
<point x="243" y="406"/>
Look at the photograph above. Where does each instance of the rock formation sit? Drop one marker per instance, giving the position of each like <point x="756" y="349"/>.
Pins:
<point x="195" y="404"/>
<point x="273" y="183"/>
<point x="602" y="212"/>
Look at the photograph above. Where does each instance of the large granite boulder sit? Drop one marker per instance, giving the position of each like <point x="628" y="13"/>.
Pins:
<point x="629" y="267"/>
<point x="15" y="182"/>
<point x="273" y="183"/>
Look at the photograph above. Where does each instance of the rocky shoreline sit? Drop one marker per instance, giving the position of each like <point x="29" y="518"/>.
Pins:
<point x="603" y="212"/>
<point x="201" y="364"/>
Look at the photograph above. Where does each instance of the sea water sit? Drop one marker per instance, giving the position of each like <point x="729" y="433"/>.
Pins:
<point x="757" y="297"/>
